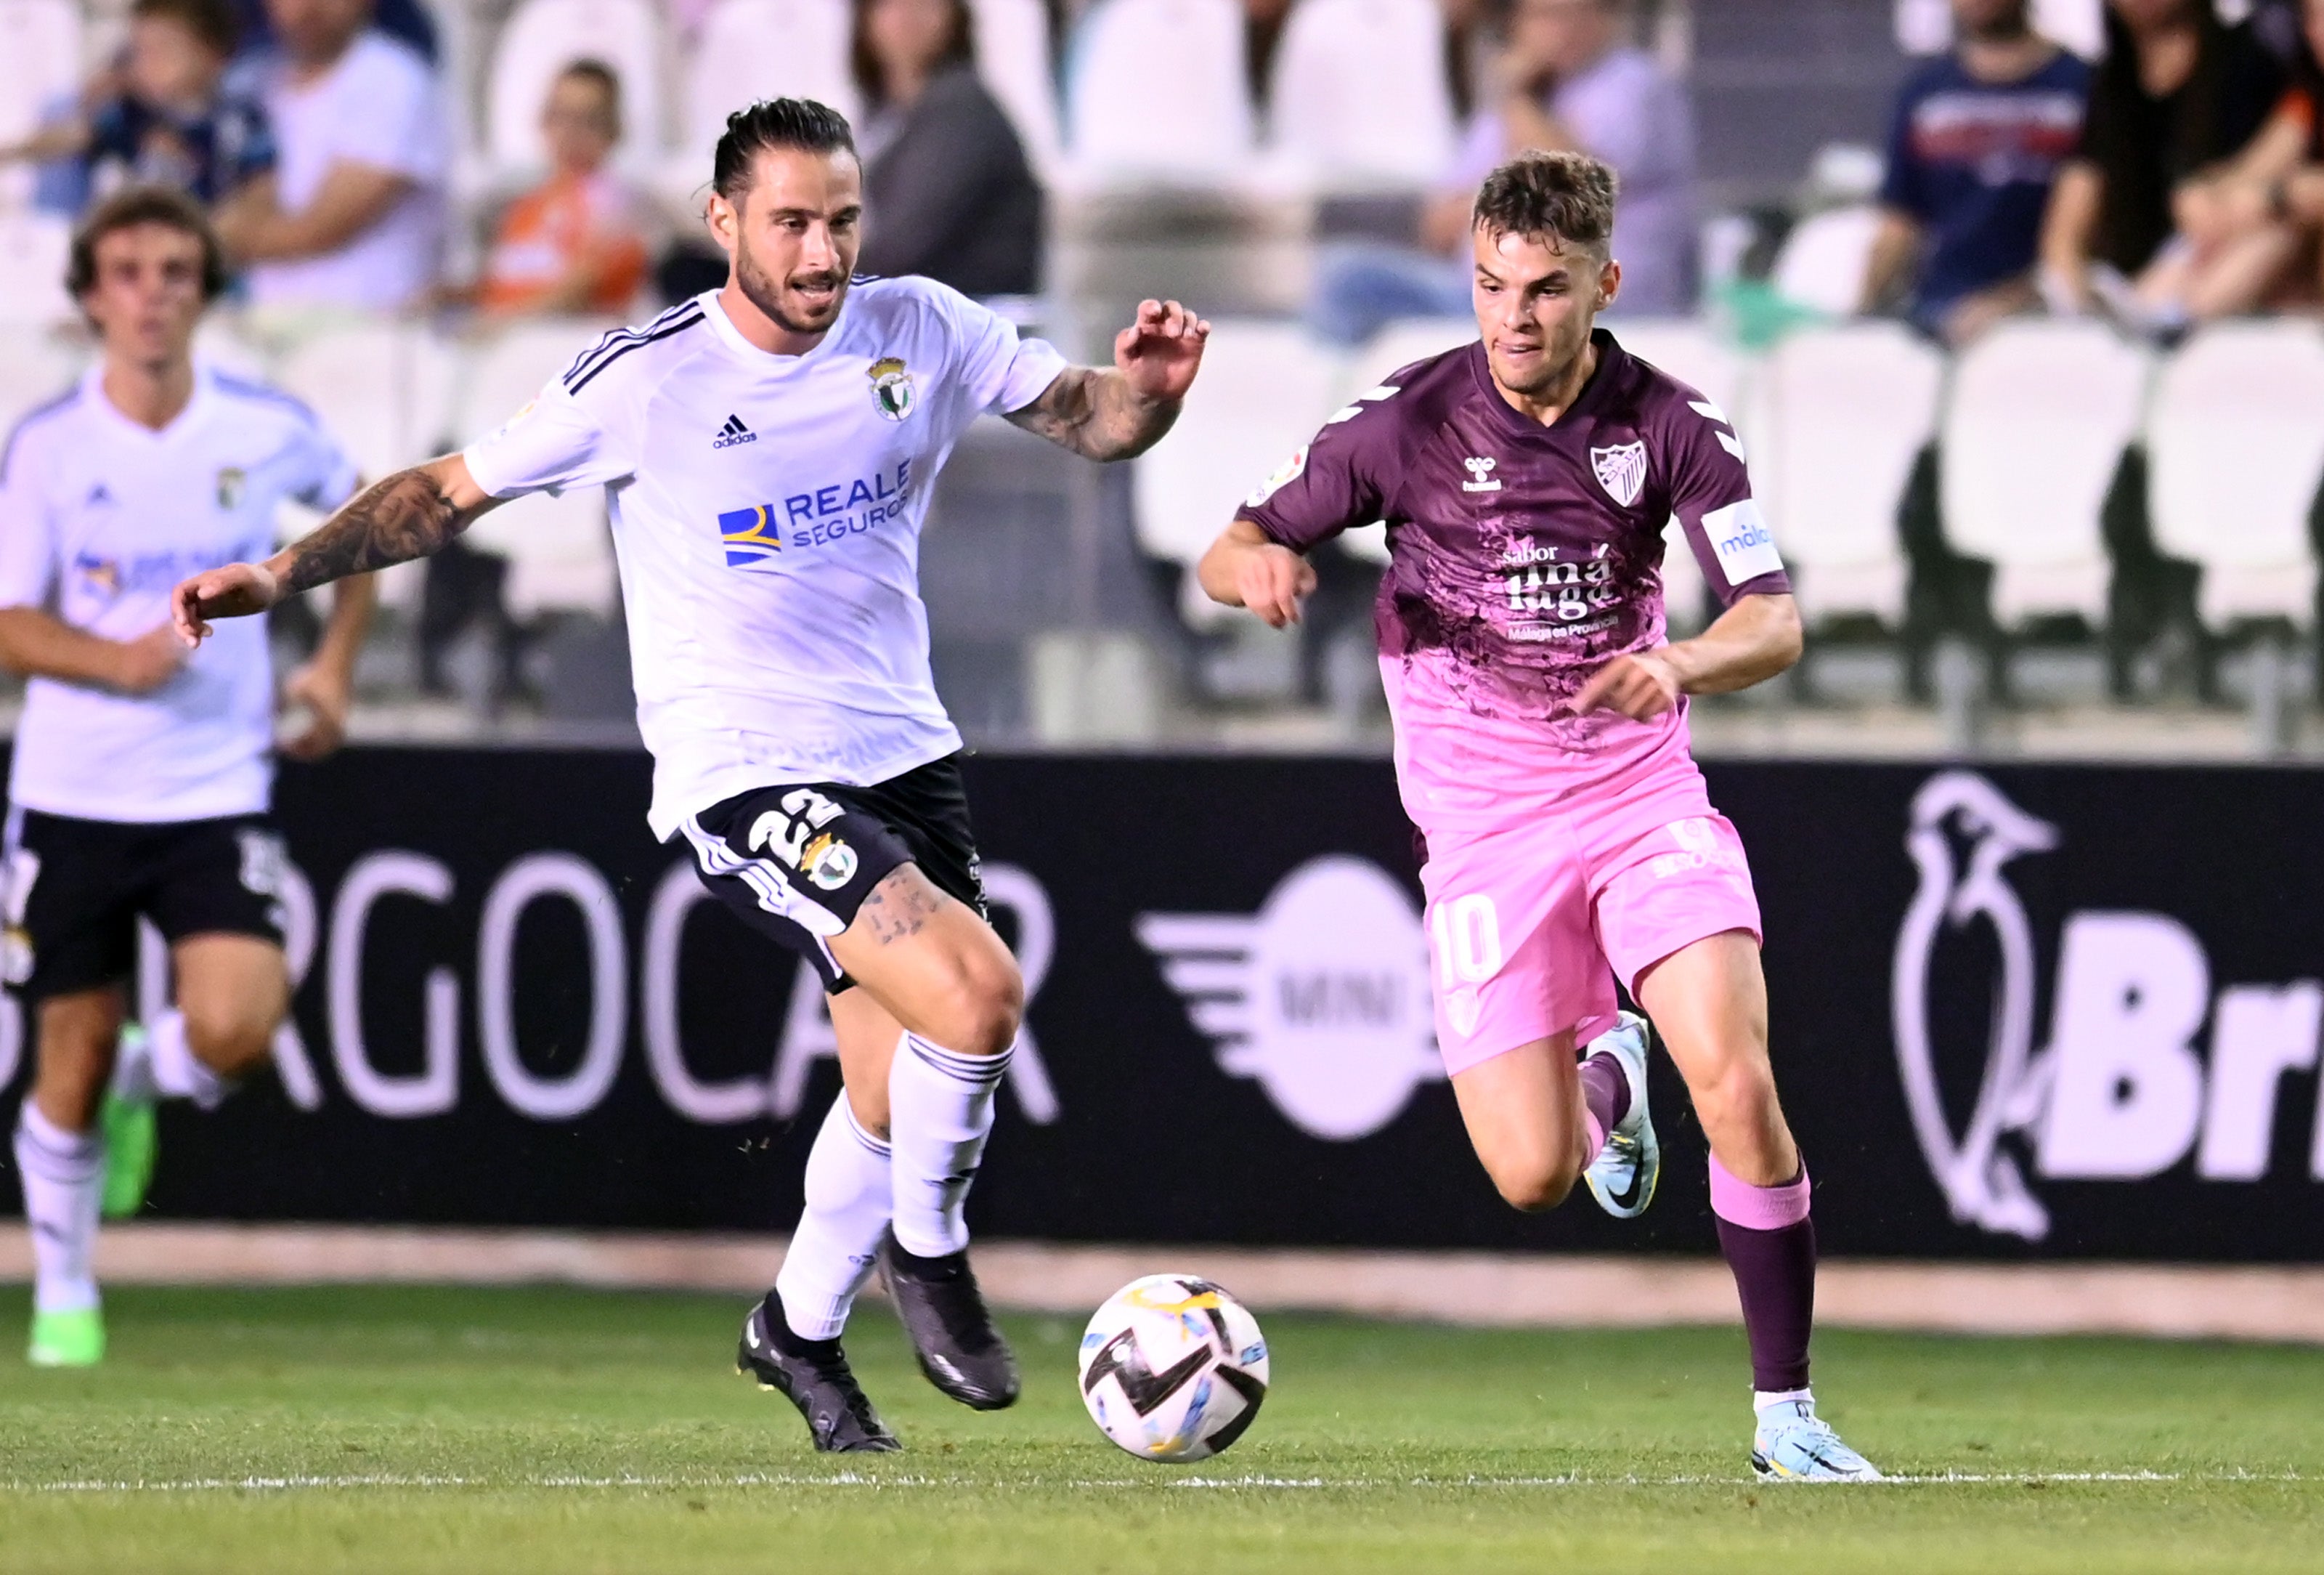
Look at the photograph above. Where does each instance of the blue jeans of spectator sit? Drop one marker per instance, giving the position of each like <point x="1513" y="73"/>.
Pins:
<point x="1360" y="287"/>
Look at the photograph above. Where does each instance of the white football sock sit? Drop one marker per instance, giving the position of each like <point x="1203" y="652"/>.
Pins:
<point x="831" y="1254"/>
<point x="1761" y="1399"/>
<point x="63" y="1174"/>
<point x="939" y="1114"/>
<point x="177" y="1073"/>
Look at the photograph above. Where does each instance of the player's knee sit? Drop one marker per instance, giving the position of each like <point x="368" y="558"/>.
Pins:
<point x="1537" y="1184"/>
<point x="1740" y="1090"/>
<point x="982" y="1007"/>
<point x="231" y="1044"/>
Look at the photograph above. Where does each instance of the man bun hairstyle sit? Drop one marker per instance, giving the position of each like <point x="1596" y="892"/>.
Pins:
<point x="130" y="207"/>
<point x="1566" y="199"/>
<point x="774" y="123"/>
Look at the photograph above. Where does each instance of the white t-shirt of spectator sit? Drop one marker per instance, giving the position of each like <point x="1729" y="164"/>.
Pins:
<point x="1622" y="107"/>
<point x="99" y="519"/>
<point x="377" y="107"/>
<point x="766" y="514"/>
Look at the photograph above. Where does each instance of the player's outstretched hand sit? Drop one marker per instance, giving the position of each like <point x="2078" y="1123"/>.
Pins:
<point x="1273" y="581"/>
<point x="1161" y="351"/>
<point x="320" y="694"/>
<point x="236" y="591"/>
<point x="1640" y="686"/>
<point x="144" y="665"/>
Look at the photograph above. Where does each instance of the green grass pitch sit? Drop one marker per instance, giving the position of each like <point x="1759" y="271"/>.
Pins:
<point x="566" y="1431"/>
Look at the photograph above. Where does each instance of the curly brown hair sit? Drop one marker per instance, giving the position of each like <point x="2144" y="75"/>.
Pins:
<point x="1565" y="197"/>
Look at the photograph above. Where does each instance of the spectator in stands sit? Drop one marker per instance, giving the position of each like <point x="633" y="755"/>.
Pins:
<point x="1566" y="80"/>
<point x="2251" y="234"/>
<point x="167" y="114"/>
<point x="947" y="192"/>
<point x="573" y="244"/>
<point x="353" y="215"/>
<point x="1977" y="143"/>
<point x="2178" y="96"/>
<point x="407" y="20"/>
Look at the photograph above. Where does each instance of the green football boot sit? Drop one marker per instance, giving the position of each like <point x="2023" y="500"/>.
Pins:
<point x="132" y="1142"/>
<point x="66" y="1339"/>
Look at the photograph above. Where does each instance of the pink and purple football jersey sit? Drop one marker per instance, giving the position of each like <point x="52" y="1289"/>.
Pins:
<point x="1523" y="558"/>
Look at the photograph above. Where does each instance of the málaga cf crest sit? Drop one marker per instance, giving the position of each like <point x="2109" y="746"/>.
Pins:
<point x="1621" y="471"/>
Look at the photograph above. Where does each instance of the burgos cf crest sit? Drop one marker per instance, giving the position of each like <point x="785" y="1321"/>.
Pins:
<point x="232" y="481"/>
<point x="891" y="388"/>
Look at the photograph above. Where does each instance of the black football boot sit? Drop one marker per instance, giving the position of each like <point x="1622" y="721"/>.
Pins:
<point x="813" y="1374"/>
<point x="951" y="1333"/>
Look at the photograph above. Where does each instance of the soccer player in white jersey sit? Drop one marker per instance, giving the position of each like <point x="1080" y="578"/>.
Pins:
<point x="767" y="451"/>
<point x="142" y="776"/>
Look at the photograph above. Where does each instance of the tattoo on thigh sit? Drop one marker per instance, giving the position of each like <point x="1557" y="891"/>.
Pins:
<point x="900" y="906"/>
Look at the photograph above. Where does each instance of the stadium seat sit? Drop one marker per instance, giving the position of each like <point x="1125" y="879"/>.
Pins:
<point x="33" y="251"/>
<point x="2235" y="437"/>
<point x="1398" y="345"/>
<point x="2039" y="415"/>
<point x="1012" y="56"/>
<point x="541" y="38"/>
<point x="751" y="50"/>
<point x="1824" y="260"/>
<point x="35" y="366"/>
<point x="560" y="558"/>
<point x="1838" y="416"/>
<point x="1265" y="388"/>
<point x="1156" y="91"/>
<point x="1688" y="350"/>
<point x="41" y="41"/>
<point x="374" y="416"/>
<point x="1359" y="96"/>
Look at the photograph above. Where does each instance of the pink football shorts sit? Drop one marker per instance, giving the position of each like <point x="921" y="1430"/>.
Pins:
<point x="1531" y="921"/>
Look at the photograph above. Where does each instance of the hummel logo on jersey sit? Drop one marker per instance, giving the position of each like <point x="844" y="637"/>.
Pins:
<point x="734" y="432"/>
<point x="1480" y="475"/>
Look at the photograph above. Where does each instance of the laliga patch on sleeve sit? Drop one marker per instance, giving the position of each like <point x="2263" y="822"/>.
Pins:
<point x="1738" y="535"/>
<point x="1289" y="472"/>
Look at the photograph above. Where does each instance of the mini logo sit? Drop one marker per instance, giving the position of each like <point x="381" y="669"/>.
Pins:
<point x="1291" y="471"/>
<point x="1621" y="471"/>
<point x="891" y="388"/>
<point x="232" y="483"/>
<point x="1480" y="475"/>
<point x="750" y="536"/>
<point x="732" y="433"/>
<point x="1321" y="996"/>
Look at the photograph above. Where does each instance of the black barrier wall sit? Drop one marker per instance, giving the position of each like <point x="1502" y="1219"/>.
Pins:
<point x="2040" y="1012"/>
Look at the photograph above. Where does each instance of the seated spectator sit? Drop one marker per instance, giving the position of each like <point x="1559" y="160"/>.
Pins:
<point x="572" y="242"/>
<point x="2178" y="96"/>
<point x="1566" y="80"/>
<point x="2252" y="233"/>
<point x="353" y="215"/>
<point x="167" y="114"/>
<point x="407" y="20"/>
<point x="1977" y="143"/>
<point x="947" y="192"/>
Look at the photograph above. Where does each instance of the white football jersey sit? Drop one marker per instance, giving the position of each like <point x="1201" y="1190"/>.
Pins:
<point x="99" y="519"/>
<point x="767" y="515"/>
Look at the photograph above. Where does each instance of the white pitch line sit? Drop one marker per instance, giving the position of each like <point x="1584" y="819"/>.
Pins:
<point x="1245" y="1484"/>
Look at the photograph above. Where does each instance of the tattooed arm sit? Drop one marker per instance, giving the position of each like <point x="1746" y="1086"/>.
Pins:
<point x="410" y="515"/>
<point x="1121" y="412"/>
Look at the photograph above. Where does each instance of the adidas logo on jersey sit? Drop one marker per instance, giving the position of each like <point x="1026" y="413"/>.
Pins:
<point x="734" y="432"/>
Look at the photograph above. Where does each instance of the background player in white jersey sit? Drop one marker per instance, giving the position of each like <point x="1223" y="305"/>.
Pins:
<point x="141" y="776"/>
<point x="767" y="451"/>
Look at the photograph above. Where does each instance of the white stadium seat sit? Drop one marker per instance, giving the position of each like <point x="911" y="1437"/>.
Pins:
<point x="1156" y="91"/>
<point x="1690" y="351"/>
<point x="35" y="367"/>
<point x="1265" y="387"/>
<point x="1838" y="416"/>
<point x="40" y="39"/>
<point x="751" y="50"/>
<point x="2236" y="440"/>
<point x="2038" y="417"/>
<point x="559" y="555"/>
<point x="1012" y="56"/>
<point x="1824" y="260"/>
<point x="542" y="37"/>
<point x="34" y="248"/>
<point x="1359" y="96"/>
<point x="1395" y="346"/>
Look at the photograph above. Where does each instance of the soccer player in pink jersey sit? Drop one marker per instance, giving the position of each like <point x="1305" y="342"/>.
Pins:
<point x="1541" y="744"/>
